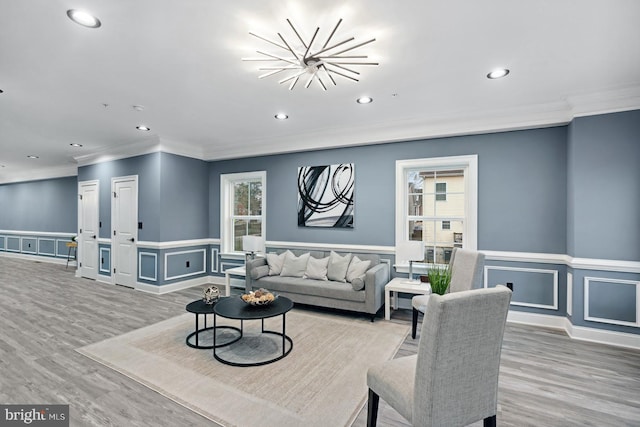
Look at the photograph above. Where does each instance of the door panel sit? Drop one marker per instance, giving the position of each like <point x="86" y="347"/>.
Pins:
<point x="125" y="231"/>
<point x="88" y="237"/>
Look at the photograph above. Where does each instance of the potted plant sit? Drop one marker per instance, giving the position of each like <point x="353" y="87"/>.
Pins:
<point x="439" y="277"/>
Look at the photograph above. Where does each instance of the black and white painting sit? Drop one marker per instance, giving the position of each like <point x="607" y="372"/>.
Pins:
<point x="325" y="196"/>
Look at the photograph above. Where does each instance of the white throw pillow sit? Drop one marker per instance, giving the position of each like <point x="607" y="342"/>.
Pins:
<point x="357" y="268"/>
<point x="338" y="265"/>
<point x="317" y="268"/>
<point x="275" y="262"/>
<point x="294" y="266"/>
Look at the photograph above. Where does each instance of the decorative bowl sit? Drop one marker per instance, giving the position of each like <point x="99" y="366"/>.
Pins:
<point x="211" y="295"/>
<point x="259" y="297"/>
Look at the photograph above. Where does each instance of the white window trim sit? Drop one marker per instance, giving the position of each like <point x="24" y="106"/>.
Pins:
<point x="470" y="166"/>
<point x="226" y="204"/>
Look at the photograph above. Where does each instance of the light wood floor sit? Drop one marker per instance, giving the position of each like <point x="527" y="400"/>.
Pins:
<point x="546" y="378"/>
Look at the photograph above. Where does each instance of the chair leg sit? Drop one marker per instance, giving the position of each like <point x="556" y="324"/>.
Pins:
<point x="490" y="421"/>
<point x="372" y="410"/>
<point x="414" y="323"/>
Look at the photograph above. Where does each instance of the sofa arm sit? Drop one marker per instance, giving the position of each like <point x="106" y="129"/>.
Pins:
<point x="252" y="272"/>
<point x="374" y="281"/>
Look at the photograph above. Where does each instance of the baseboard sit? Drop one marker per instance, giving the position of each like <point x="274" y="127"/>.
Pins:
<point x="618" y="339"/>
<point x="177" y="286"/>
<point x="535" y="319"/>
<point x="580" y="333"/>
<point x="104" y="279"/>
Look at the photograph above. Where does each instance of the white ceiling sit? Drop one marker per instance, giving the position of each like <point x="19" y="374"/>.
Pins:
<point x="181" y="60"/>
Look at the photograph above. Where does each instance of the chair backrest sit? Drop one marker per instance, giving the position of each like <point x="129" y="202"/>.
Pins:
<point x="466" y="270"/>
<point x="458" y="360"/>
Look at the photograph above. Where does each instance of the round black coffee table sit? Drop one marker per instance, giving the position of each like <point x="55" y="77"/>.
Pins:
<point x="235" y="308"/>
<point x="199" y="307"/>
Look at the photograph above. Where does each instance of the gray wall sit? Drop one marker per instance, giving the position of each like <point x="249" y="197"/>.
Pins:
<point x="184" y="198"/>
<point x="172" y="195"/>
<point x="603" y="217"/>
<point x="147" y="167"/>
<point x="522" y="189"/>
<point x="47" y="205"/>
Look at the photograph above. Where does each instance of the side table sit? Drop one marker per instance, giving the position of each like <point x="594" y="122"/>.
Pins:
<point x="400" y="284"/>
<point x="236" y="271"/>
<point x="199" y="307"/>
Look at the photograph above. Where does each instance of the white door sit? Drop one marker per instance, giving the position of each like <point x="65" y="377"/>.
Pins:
<point x="124" y="222"/>
<point x="88" y="229"/>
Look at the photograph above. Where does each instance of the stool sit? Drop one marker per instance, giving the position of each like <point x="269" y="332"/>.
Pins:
<point x="73" y="246"/>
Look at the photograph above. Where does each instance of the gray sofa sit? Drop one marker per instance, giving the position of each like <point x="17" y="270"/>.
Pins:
<point x="325" y="293"/>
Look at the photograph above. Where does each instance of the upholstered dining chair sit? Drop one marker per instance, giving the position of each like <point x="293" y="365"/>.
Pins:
<point x="466" y="273"/>
<point x="453" y="378"/>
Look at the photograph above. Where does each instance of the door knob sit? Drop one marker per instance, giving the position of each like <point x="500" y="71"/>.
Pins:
<point x="93" y="237"/>
<point x="132" y="239"/>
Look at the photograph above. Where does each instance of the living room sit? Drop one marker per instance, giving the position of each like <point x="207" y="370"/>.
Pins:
<point x="554" y="208"/>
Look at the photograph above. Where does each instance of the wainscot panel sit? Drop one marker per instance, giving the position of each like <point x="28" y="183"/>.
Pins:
<point x="532" y="287"/>
<point x="148" y="266"/>
<point x="13" y="244"/>
<point x="608" y="300"/>
<point x="105" y="259"/>
<point x="185" y="263"/>
<point x="46" y="246"/>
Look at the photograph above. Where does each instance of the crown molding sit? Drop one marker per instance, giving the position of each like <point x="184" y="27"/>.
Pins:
<point x="152" y="144"/>
<point x="458" y="123"/>
<point x="122" y="151"/>
<point x="625" y="98"/>
<point x="40" y="174"/>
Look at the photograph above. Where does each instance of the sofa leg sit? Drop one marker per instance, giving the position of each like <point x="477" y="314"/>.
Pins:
<point x="414" y="323"/>
<point x="490" y="421"/>
<point x="372" y="410"/>
<point x="373" y="317"/>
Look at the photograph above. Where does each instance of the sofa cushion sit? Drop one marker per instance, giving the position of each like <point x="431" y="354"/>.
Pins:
<point x="357" y="284"/>
<point x="275" y="263"/>
<point x="357" y="268"/>
<point x="317" y="268"/>
<point x="326" y="289"/>
<point x="338" y="265"/>
<point x="294" y="266"/>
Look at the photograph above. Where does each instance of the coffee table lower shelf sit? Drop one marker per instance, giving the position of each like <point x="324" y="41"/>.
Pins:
<point x="235" y="308"/>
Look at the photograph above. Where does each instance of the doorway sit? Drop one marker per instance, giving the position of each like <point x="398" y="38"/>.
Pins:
<point x="88" y="229"/>
<point x="124" y="225"/>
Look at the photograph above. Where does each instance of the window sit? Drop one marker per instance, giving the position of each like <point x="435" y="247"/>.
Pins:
<point x="437" y="204"/>
<point x="441" y="191"/>
<point x="243" y="206"/>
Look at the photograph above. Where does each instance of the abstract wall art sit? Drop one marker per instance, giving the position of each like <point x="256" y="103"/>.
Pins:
<point x="325" y="196"/>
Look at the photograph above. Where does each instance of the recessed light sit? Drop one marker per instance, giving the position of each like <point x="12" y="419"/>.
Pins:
<point x="83" y="18"/>
<point x="281" y="116"/>
<point x="497" y="73"/>
<point x="33" y="157"/>
<point x="364" y="100"/>
<point x="142" y="127"/>
<point x="74" y="144"/>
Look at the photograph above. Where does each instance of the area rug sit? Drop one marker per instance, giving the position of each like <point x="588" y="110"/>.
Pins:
<point x="322" y="382"/>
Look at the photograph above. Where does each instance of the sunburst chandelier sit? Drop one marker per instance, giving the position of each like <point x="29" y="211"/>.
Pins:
<point x="312" y="60"/>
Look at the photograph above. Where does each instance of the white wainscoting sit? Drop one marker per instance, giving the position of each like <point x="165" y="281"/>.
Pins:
<point x="589" y="317"/>
<point x="554" y="277"/>
<point x="180" y="276"/>
<point x="155" y="265"/>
